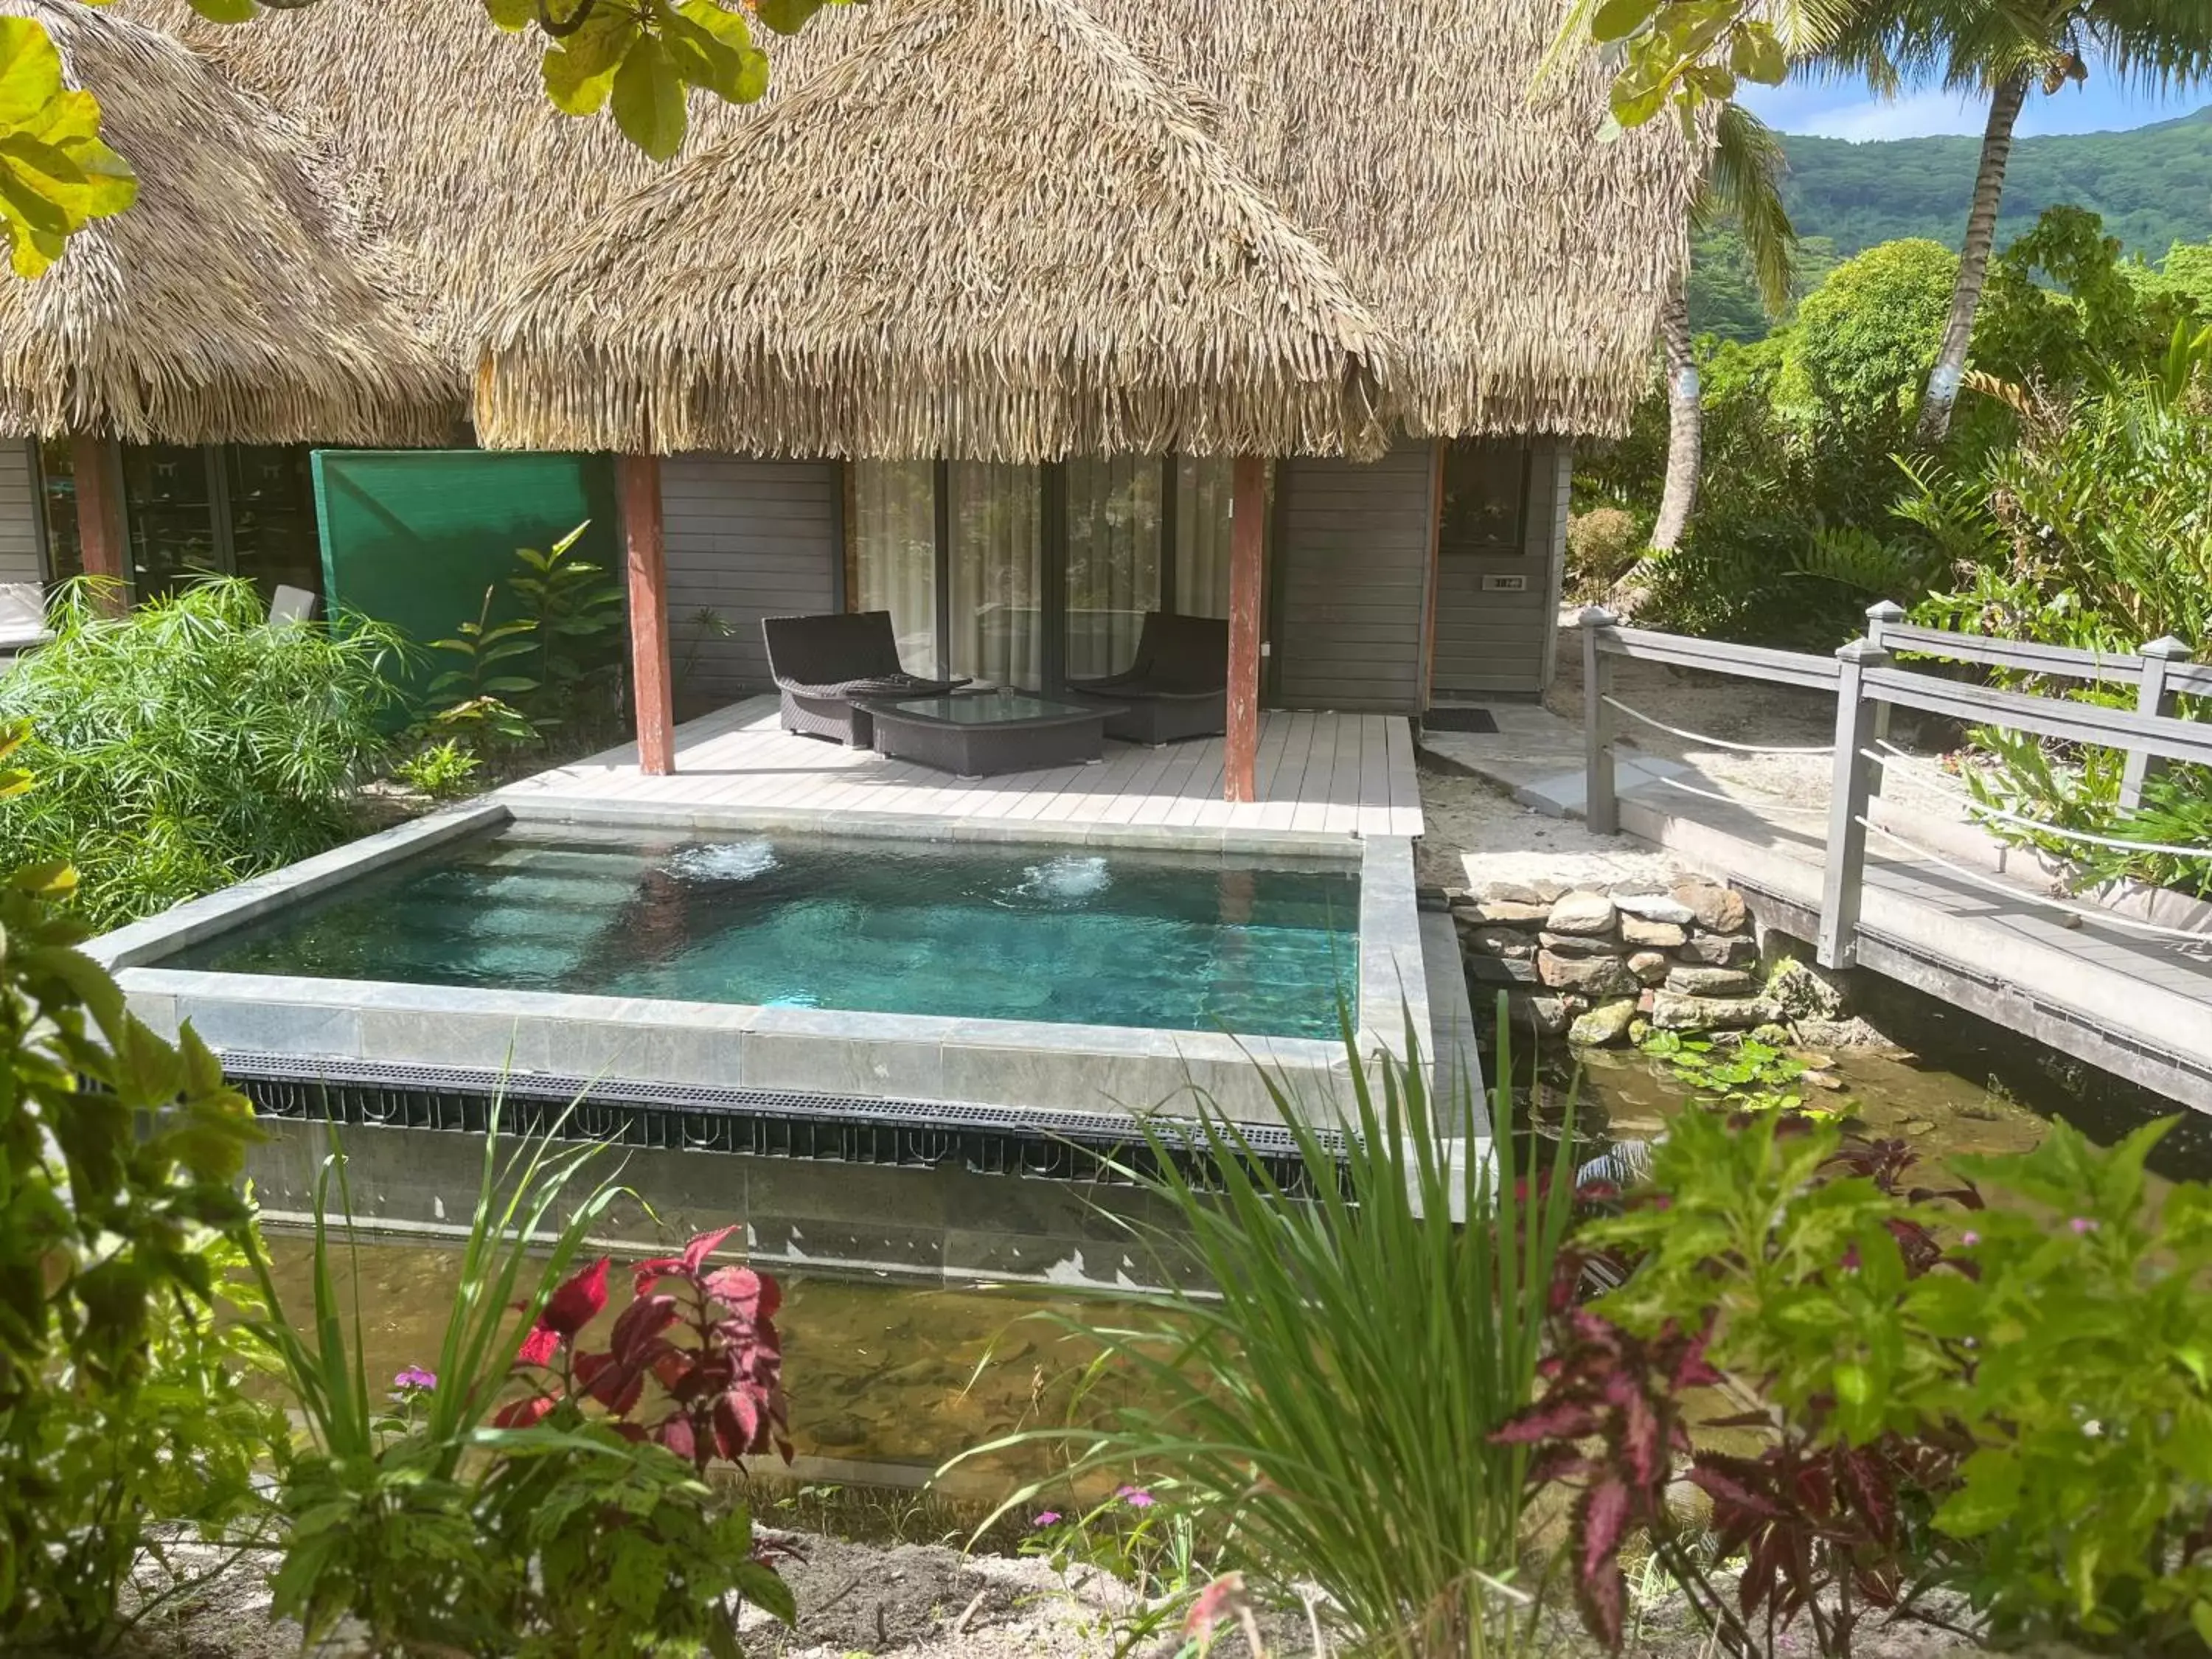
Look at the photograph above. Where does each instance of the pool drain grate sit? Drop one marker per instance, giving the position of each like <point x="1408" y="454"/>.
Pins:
<point x="1050" y="1144"/>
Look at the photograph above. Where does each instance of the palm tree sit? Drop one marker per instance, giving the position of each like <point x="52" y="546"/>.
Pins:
<point x="1744" y="182"/>
<point x="2004" y="50"/>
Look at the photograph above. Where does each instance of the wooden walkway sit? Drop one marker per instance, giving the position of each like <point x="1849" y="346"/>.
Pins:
<point x="1319" y="775"/>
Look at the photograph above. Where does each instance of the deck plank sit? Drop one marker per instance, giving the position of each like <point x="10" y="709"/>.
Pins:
<point x="1336" y="776"/>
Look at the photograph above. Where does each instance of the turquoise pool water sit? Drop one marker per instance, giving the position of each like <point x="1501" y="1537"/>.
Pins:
<point x="1181" y="942"/>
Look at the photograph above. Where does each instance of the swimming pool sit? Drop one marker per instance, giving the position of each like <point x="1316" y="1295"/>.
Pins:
<point x="1178" y="941"/>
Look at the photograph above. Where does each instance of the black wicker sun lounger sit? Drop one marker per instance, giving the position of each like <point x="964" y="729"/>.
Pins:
<point x="1177" y="687"/>
<point x="824" y="666"/>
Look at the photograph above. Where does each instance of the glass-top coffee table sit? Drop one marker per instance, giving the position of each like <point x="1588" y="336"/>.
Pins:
<point x="989" y="731"/>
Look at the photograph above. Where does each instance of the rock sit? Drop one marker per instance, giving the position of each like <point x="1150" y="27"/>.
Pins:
<point x="1582" y="914"/>
<point x="1716" y="910"/>
<point x="1712" y="982"/>
<point x="1597" y="976"/>
<point x="1507" y="913"/>
<point x="1508" y="892"/>
<point x="1501" y="971"/>
<point x="1651" y="935"/>
<point x="1496" y="942"/>
<point x="1607" y="1022"/>
<point x="1655" y="907"/>
<point x="1806" y="991"/>
<point x="1719" y="950"/>
<point x="1650" y="966"/>
<point x="1549" y="1014"/>
<point x="1578" y="944"/>
<point x="1672" y="1010"/>
<point x="1644" y="1000"/>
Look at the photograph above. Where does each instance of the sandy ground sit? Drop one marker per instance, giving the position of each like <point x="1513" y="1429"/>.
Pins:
<point x="1761" y="715"/>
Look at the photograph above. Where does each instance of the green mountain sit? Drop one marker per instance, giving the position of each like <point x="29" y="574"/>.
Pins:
<point x="2153" y="185"/>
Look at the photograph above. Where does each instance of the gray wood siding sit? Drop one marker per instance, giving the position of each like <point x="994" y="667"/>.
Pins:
<point x="19" y="560"/>
<point x="1353" y="570"/>
<point x="746" y="540"/>
<point x="1488" y="641"/>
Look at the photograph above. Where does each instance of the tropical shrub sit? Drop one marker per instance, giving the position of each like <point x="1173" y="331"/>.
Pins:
<point x="2010" y="1403"/>
<point x="2092" y="531"/>
<point x="1321" y="1413"/>
<point x="185" y="744"/>
<point x="1601" y="543"/>
<point x="539" y="663"/>
<point x="121" y="1396"/>
<point x="577" y="1517"/>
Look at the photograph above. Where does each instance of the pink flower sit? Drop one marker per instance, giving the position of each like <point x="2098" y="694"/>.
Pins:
<point x="1135" y="1497"/>
<point x="1048" y="1518"/>
<point x="1970" y="1238"/>
<point x="2082" y="1225"/>
<point x="414" y="1380"/>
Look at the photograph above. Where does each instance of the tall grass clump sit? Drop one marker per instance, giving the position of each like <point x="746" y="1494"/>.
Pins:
<point x="1320" y="1405"/>
<point x="188" y="743"/>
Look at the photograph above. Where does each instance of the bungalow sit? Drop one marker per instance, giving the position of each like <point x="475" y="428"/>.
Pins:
<point x="1018" y="319"/>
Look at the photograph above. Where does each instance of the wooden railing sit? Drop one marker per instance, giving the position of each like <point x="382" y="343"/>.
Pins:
<point x="1868" y="684"/>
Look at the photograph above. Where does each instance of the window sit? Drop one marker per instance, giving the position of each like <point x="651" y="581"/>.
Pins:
<point x="1486" y="497"/>
<point x="57" y="505"/>
<point x="1114" y="556"/>
<point x="188" y="512"/>
<point x="1029" y="575"/>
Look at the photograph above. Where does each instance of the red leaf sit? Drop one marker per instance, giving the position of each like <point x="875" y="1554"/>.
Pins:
<point x="1602" y="1522"/>
<point x="738" y="1423"/>
<point x="538" y="1347"/>
<point x="746" y="1292"/>
<point x="704" y="1245"/>
<point x="577" y="1302"/>
<point x="1566" y="1419"/>
<point x="524" y="1413"/>
<point x="1641" y="1442"/>
<point x="640" y="1322"/>
<point x="676" y="1434"/>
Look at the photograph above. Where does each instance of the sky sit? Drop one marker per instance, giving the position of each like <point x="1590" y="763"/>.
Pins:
<point x="1844" y="110"/>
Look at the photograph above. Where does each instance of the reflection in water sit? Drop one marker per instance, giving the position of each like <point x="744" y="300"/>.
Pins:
<point x="876" y="1372"/>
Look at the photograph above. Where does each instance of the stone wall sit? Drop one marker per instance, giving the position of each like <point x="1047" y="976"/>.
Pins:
<point x="1589" y="960"/>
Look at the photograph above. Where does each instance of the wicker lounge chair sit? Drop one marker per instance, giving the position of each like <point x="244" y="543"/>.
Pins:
<point x="1177" y="687"/>
<point x="822" y="664"/>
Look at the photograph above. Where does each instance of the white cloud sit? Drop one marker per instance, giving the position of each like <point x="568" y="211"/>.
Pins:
<point x="1917" y="115"/>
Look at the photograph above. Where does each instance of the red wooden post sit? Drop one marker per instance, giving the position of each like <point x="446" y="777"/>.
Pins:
<point x="637" y="484"/>
<point x="1247" y="522"/>
<point x="98" y="517"/>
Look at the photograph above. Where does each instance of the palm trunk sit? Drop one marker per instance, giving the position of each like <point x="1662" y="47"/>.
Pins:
<point x="1973" y="261"/>
<point x="1683" y="422"/>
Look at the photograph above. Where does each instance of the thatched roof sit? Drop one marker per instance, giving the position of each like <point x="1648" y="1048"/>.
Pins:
<point x="1515" y="263"/>
<point x="237" y="299"/>
<point x="987" y="231"/>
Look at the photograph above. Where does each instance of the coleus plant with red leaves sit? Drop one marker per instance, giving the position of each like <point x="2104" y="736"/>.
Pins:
<point x="693" y="1364"/>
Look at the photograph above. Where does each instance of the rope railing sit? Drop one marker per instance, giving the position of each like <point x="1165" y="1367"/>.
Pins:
<point x="1762" y="804"/>
<point x="2044" y="827"/>
<point x="2012" y="891"/>
<point x="1713" y="742"/>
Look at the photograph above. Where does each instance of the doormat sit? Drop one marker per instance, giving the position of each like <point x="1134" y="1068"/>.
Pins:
<point x="1458" y="719"/>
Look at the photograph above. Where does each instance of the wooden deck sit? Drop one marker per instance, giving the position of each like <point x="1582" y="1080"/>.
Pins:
<point x="1320" y="774"/>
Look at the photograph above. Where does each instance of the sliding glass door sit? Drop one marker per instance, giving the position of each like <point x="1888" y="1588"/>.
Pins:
<point x="1030" y="576"/>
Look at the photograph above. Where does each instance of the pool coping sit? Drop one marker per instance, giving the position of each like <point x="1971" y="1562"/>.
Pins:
<point x="1021" y="1064"/>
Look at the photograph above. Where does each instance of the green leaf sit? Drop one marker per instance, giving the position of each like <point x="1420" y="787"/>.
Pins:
<point x="1755" y="55"/>
<point x="227" y="11"/>
<point x="580" y="72"/>
<point x="30" y="71"/>
<point x="788" y="17"/>
<point x="1618" y="19"/>
<point x="2200" y="1616"/>
<point x="759" y="1584"/>
<point x="512" y="15"/>
<point x="648" y="100"/>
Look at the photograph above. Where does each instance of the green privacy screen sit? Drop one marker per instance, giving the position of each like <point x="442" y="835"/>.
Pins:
<point x="414" y="537"/>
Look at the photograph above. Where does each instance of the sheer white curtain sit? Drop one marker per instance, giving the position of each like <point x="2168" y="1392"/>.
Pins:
<point x="997" y="571"/>
<point x="895" y="553"/>
<point x="1203" y="492"/>
<point x="1112" y="560"/>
